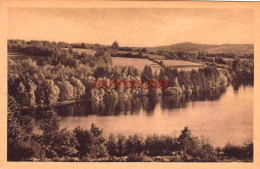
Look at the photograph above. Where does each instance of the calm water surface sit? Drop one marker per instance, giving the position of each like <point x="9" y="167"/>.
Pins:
<point x="220" y="117"/>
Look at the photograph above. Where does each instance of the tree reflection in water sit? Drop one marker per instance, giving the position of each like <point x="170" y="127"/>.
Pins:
<point x="127" y="106"/>
<point x="236" y="84"/>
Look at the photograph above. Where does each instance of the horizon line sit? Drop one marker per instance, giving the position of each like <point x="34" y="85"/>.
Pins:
<point x="187" y="42"/>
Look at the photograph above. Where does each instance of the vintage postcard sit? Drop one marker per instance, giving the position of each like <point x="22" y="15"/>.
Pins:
<point x="129" y="84"/>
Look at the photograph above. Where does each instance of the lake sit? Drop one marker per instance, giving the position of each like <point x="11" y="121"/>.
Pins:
<point x="219" y="116"/>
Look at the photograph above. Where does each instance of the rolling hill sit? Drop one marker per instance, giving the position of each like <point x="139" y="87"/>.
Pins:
<point x="193" y="47"/>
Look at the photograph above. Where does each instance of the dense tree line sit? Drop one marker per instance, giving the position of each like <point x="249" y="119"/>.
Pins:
<point x="199" y="56"/>
<point x="31" y="84"/>
<point x="243" y="71"/>
<point x="55" y="144"/>
<point x="52" y="53"/>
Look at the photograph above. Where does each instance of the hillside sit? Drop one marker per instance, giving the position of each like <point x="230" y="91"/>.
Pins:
<point x="193" y="47"/>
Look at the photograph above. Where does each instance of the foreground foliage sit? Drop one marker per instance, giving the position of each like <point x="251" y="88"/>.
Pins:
<point x="55" y="144"/>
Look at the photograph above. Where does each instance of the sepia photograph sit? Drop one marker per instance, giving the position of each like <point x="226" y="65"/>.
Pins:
<point x="130" y="85"/>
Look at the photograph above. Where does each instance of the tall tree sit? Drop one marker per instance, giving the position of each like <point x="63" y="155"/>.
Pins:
<point x="115" y="45"/>
<point x="111" y="145"/>
<point x="50" y="128"/>
<point x="32" y="88"/>
<point x="90" y="142"/>
<point x="52" y="92"/>
<point x="22" y="95"/>
<point x="147" y="74"/>
<point x="66" y="90"/>
<point x="79" y="88"/>
<point x="18" y="140"/>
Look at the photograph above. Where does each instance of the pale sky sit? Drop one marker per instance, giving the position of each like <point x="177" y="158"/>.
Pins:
<point x="132" y="27"/>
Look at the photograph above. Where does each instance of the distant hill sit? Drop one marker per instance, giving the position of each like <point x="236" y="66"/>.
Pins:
<point x="193" y="47"/>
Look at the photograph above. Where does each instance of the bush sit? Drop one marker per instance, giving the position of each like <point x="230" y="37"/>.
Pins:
<point x="239" y="152"/>
<point x="176" y="158"/>
<point x="112" y="146"/>
<point x="194" y="149"/>
<point x="90" y="142"/>
<point x="20" y="152"/>
<point x="172" y="91"/>
<point x="134" y="145"/>
<point x="159" y="145"/>
<point x="134" y="157"/>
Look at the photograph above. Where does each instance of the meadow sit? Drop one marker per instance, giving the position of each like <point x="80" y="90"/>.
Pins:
<point x="14" y="55"/>
<point x="152" y="56"/>
<point x="182" y="64"/>
<point x="80" y="50"/>
<point x="138" y="63"/>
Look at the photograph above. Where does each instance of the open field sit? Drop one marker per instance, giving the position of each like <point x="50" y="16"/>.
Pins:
<point x="188" y="69"/>
<point x="182" y="64"/>
<point x="79" y="50"/>
<point x="173" y="63"/>
<point x="238" y="49"/>
<point x="152" y="56"/>
<point x="140" y="63"/>
<point x="88" y="51"/>
<point x="12" y="54"/>
<point x="156" y="57"/>
<point x="135" y="62"/>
